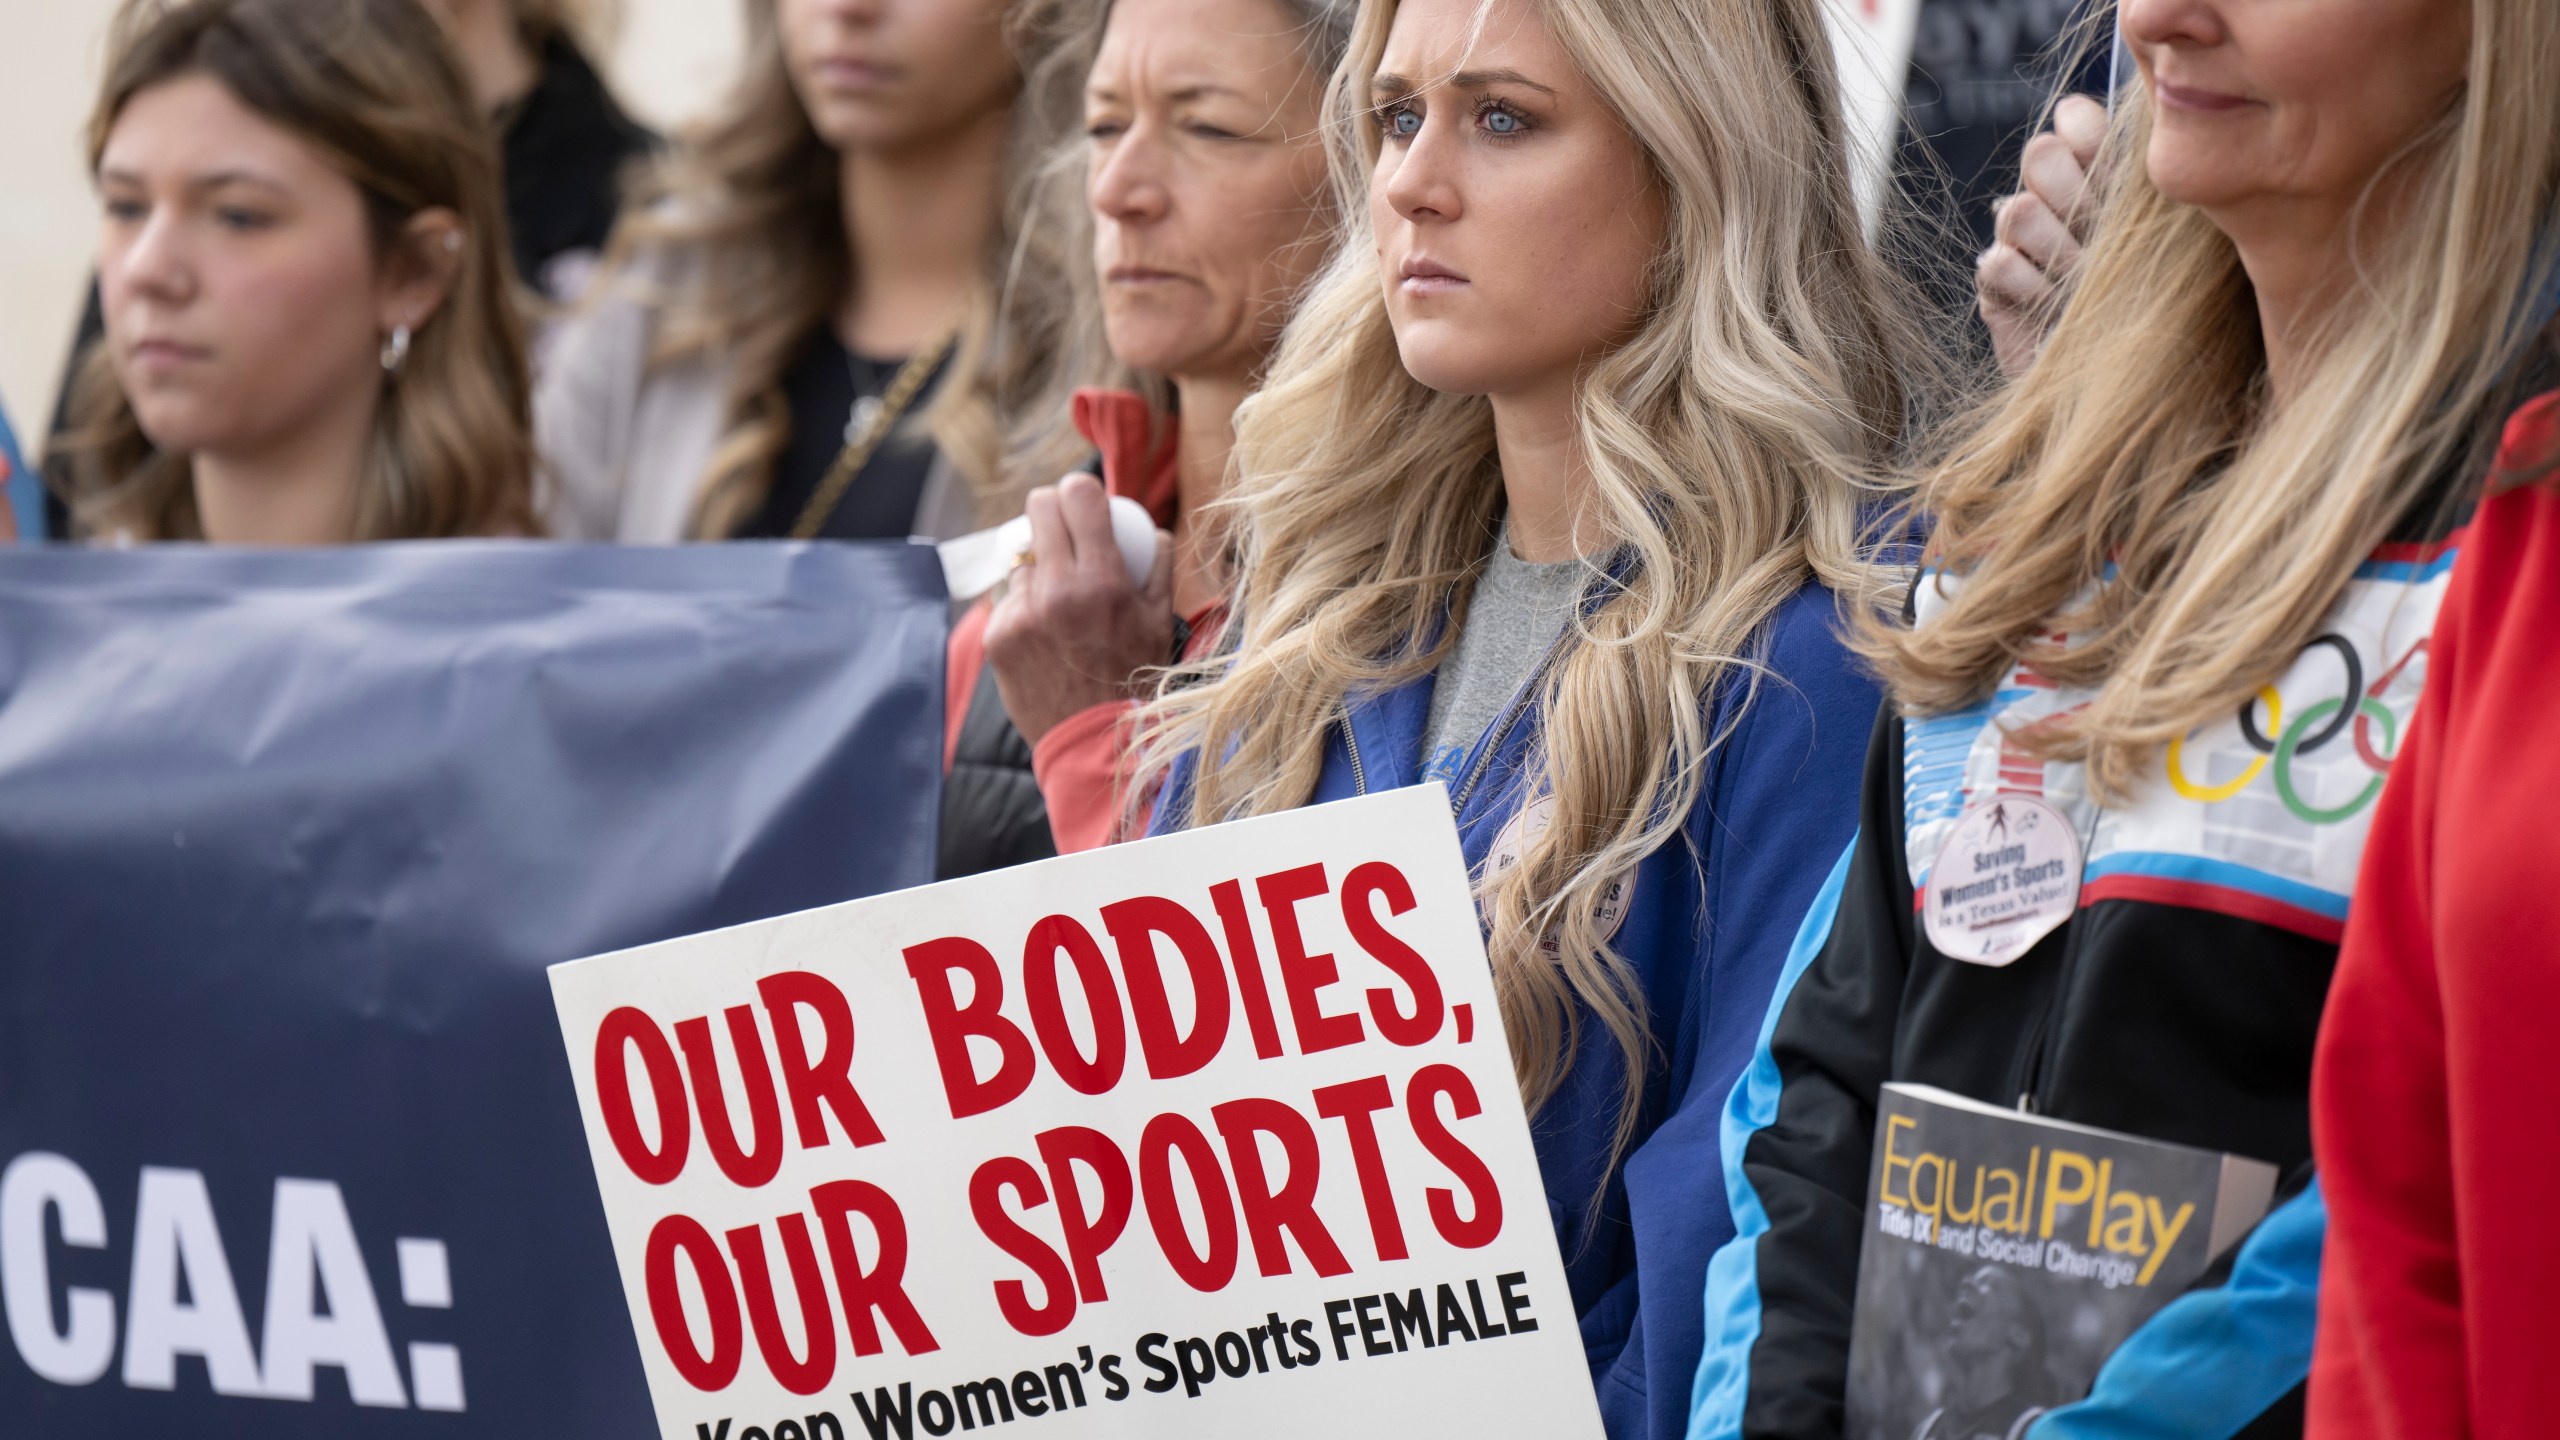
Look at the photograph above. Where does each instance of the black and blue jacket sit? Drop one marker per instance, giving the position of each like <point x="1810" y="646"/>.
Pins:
<point x="2178" y="1001"/>
<point x="1706" y="929"/>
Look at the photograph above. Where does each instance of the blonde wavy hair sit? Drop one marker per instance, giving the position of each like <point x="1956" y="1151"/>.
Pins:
<point x="739" y="233"/>
<point x="1729" y="443"/>
<point x="372" y="86"/>
<point x="1042" y="443"/>
<point x="2144" y="439"/>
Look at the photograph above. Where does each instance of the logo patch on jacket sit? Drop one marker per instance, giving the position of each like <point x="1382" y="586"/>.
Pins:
<point x="2260" y="815"/>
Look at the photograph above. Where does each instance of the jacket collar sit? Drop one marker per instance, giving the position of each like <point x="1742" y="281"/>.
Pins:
<point x="1386" y="727"/>
<point x="1139" y="445"/>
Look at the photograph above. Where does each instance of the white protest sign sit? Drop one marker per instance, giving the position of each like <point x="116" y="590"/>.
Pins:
<point x="1214" y="1134"/>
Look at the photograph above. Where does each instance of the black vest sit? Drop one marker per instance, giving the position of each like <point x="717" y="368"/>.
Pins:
<point x="992" y="814"/>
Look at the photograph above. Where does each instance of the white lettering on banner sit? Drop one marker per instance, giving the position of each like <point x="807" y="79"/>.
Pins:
<point x="1215" y="1133"/>
<point x="177" y="1249"/>
<point x="315" y="1250"/>
<point x="321" y="1311"/>
<point x="85" y="1346"/>
<point x="435" y="1369"/>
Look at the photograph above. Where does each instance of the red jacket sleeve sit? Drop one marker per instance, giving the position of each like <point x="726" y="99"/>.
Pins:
<point x="960" y="669"/>
<point x="2432" y="1091"/>
<point x="1078" y="766"/>
<point x="2388" y="1358"/>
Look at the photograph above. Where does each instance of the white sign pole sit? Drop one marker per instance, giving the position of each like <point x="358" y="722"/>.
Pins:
<point x="1871" y="46"/>
<point x="1215" y="1134"/>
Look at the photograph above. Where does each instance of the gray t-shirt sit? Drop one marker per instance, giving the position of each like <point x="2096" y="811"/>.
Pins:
<point x="1513" y="620"/>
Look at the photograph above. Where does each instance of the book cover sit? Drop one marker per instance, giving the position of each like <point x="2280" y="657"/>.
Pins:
<point x="2006" y="1254"/>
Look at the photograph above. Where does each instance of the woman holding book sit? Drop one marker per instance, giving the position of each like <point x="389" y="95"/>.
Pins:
<point x="2169" y="632"/>
<point x="1552" y="495"/>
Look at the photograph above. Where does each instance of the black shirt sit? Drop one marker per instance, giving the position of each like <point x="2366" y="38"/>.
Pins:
<point x="821" y="387"/>
<point x="565" y="146"/>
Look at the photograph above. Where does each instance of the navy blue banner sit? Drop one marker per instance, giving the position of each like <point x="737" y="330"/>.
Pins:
<point x="287" y="1143"/>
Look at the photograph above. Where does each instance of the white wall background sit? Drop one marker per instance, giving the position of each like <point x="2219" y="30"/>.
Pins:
<point x="672" y="58"/>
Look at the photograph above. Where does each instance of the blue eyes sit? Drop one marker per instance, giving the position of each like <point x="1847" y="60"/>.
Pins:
<point x="1499" y="121"/>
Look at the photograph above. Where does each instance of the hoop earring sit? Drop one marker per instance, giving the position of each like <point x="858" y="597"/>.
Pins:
<point x="395" y="351"/>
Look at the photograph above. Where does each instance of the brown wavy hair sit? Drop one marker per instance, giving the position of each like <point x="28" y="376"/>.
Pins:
<point x="371" y="85"/>
<point x="2143" y="438"/>
<point x="739" y="231"/>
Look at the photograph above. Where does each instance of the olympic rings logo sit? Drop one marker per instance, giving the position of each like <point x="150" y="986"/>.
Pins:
<point x="2313" y="727"/>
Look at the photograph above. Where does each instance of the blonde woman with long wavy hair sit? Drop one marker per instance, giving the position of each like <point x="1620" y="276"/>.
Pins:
<point x="821" y="306"/>
<point x="2172" y="627"/>
<point x="1553" y="494"/>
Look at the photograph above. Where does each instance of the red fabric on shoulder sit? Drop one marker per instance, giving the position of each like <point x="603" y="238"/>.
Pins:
<point x="1077" y="766"/>
<point x="1139" y="448"/>
<point x="961" y="663"/>
<point x="1208" y="627"/>
<point x="2530" y="449"/>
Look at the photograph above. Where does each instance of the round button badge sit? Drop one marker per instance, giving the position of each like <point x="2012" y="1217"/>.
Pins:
<point x="1513" y="842"/>
<point x="2007" y="876"/>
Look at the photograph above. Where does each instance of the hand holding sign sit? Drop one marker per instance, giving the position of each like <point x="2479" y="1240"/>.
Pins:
<point x="1213" y="1134"/>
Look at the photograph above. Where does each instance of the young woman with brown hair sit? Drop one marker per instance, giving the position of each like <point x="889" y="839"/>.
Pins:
<point x="821" y="305"/>
<point x="563" y="144"/>
<point x="309" y="337"/>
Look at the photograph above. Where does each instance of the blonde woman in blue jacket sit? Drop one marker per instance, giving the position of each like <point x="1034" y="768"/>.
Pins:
<point x="1553" y="495"/>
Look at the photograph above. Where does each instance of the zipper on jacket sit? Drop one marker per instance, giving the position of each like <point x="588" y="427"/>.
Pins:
<point x="2034" y="1073"/>
<point x="1494" y="739"/>
<point x="1500" y="734"/>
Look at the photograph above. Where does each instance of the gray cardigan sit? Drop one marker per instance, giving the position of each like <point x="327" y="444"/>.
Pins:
<point x="625" y="445"/>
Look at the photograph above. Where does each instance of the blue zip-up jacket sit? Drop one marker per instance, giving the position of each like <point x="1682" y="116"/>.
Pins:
<point x="1707" y="930"/>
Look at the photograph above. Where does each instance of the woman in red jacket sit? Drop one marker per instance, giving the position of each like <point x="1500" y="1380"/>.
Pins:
<point x="2432" y="1093"/>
